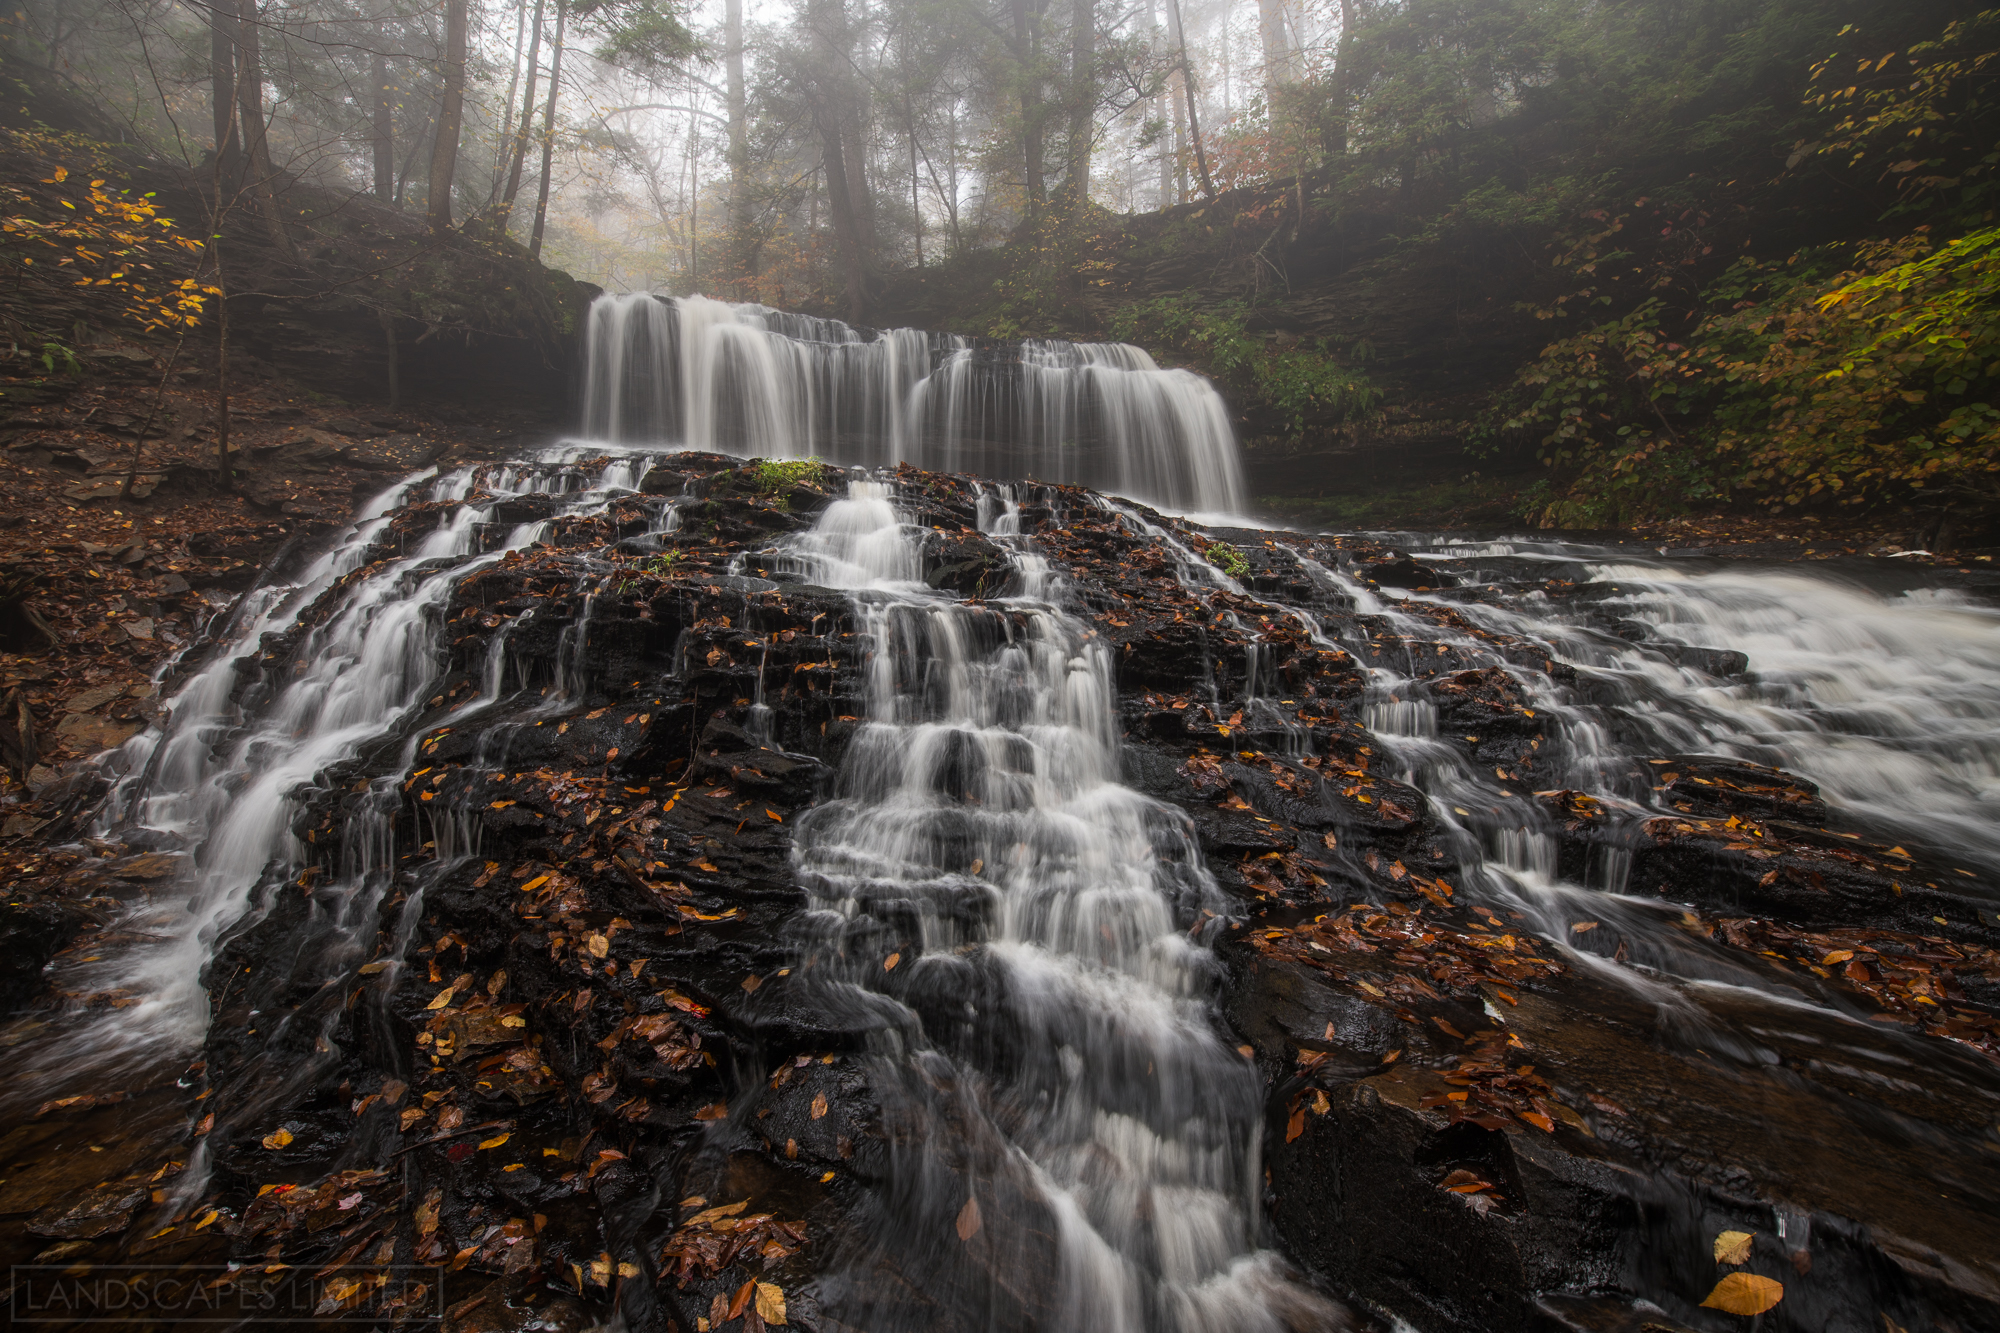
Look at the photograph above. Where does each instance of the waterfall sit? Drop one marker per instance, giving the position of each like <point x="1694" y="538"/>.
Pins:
<point x="223" y="775"/>
<point x="704" y="374"/>
<point x="981" y="845"/>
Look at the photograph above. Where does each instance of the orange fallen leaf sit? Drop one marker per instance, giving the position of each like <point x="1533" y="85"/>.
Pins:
<point x="1297" y="1124"/>
<point x="819" y="1106"/>
<point x="742" y="1298"/>
<point x="716" y="1111"/>
<point x="1582" y="926"/>
<point x="1745" y="1293"/>
<point x="968" y="1219"/>
<point x="495" y="1142"/>
<point x="278" y="1138"/>
<point x="1837" y="956"/>
<point x="889" y="963"/>
<point x="781" y="819"/>
<point x="752" y="983"/>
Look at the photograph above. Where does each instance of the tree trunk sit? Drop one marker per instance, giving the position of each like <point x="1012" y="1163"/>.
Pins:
<point x="1333" y="136"/>
<point x="740" y="254"/>
<point x="451" y="116"/>
<point x="385" y="130"/>
<point x="1027" y="27"/>
<point x="520" y="145"/>
<point x="222" y="85"/>
<point x="840" y="205"/>
<point x="1187" y="91"/>
<point x="500" y="153"/>
<point x="222" y="477"/>
<point x="916" y="196"/>
<point x="1280" y="63"/>
<point x="1083" y="99"/>
<point x="548" y="135"/>
<point x="395" y="359"/>
<point x="255" y="134"/>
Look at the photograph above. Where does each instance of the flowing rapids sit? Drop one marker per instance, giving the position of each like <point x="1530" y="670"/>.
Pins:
<point x="1002" y="910"/>
<point x="1047" y="1049"/>
<point x="221" y="776"/>
<point x="746" y="379"/>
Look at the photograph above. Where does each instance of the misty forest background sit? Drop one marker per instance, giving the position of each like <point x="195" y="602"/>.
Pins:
<point x="1570" y="262"/>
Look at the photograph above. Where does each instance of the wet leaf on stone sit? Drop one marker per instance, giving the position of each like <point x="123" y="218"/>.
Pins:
<point x="1581" y="926"/>
<point x="742" y="1298"/>
<point x="495" y="1142"/>
<point x="889" y="963"/>
<point x="1745" y="1293"/>
<point x="770" y="1303"/>
<point x="277" y="1138"/>
<point x="1733" y="1247"/>
<point x="969" y="1219"/>
<point x="717" y="1111"/>
<point x="1297" y="1124"/>
<point x="819" y="1105"/>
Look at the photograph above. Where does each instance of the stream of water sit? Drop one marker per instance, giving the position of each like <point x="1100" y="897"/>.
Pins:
<point x="1051" y="1035"/>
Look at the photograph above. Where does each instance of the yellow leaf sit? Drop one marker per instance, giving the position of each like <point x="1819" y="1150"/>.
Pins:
<point x="819" y="1105"/>
<point x="1837" y="956"/>
<point x="443" y="999"/>
<point x="278" y="1138"/>
<point x="599" y="945"/>
<point x="495" y="1142"/>
<point x="770" y="1303"/>
<point x="534" y="884"/>
<point x="1733" y="1247"/>
<point x="1745" y="1293"/>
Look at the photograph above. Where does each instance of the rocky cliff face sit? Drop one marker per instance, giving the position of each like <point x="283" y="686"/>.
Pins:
<point x="557" y="1044"/>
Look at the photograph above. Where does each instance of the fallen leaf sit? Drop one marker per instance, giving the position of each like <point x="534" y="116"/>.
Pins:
<point x="534" y="883"/>
<point x="819" y="1106"/>
<point x="600" y="945"/>
<point x="495" y="1142"/>
<point x="278" y="1138"/>
<point x="1582" y="926"/>
<point x="889" y="963"/>
<point x="781" y="819"/>
<point x="1733" y="1247"/>
<point x="770" y="1303"/>
<point x="968" y="1218"/>
<point x="742" y="1298"/>
<point x="716" y="1111"/>
<point x="1837" y="956"/>
<point x="1297" y="1124"/>
<point x="1745" y="1293"/>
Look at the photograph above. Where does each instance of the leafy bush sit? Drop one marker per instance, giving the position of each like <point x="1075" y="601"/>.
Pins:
<point x="1876" y="382"/>
<point x="778" y="474"/>
<point x="1301" y="384"/>
<point x="1228" y="559"/>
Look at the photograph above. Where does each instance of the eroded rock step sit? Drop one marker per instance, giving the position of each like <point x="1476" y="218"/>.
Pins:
<point x="571" y="1047"/>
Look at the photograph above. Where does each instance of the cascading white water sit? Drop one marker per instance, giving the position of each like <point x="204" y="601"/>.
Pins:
<point x="980" y="834"/>
<point x="220" y="778"/>
<point x="743" y="378"/>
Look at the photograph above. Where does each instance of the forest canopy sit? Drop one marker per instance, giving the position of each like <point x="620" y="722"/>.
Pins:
<point x="1687" y="251"/>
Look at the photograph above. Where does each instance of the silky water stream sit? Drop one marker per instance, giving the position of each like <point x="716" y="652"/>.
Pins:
<point x="1025" y="948"/>
<point x="1048" y="1056"/>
